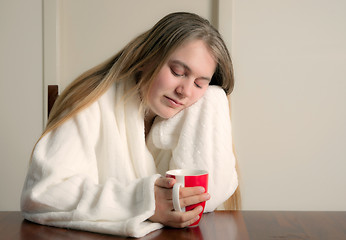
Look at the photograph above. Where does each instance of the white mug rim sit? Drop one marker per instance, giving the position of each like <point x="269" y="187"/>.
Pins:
<point x="186" y="172"/>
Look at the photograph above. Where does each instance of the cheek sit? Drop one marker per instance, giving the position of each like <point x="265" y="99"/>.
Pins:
<point x="163" y="82"/>
<point x="158" y="80"/>
<point x="156" y="86"/>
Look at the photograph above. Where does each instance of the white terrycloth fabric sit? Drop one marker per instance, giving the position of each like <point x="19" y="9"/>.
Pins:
<point x="96" y="173"/>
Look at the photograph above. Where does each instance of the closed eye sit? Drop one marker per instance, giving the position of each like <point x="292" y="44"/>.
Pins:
<point x="198" y="85"/>
<point x="177" y="74"/>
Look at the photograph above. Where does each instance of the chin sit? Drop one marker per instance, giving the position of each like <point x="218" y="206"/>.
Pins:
<point x="167" y="115"/>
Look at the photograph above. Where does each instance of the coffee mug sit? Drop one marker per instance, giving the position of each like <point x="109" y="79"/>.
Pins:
<point x="188" y="178"/>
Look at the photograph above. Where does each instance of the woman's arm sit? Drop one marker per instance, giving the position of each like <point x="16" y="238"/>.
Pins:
<point x="67" y="184"/>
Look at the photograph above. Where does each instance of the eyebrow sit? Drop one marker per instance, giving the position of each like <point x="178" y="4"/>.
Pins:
<point x="187" y="68"/>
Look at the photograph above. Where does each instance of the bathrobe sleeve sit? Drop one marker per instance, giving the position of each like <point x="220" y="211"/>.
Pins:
<point x="63" y="186"/>
<point x="199" y="137"/>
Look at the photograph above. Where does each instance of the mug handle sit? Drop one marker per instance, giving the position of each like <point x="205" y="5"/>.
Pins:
<point x="175" y="196"/>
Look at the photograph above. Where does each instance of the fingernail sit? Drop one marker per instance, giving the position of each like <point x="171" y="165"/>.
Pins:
<point x="207" y="196"/>
<point x="170" y="182"/>
<point x="200" y="209"/>
<point x="201" y="189"/>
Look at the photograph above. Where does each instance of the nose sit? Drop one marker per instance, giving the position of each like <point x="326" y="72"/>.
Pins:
<point x="184" y="88"/>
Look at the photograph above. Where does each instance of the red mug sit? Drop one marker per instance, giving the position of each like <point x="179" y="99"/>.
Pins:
<point x="188" y="178"/>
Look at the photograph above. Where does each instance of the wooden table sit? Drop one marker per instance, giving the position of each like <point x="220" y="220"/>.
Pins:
<point x="214" y="226"/>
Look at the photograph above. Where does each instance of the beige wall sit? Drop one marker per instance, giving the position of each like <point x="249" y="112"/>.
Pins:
<point x="288" y="104"/>
<point x="20" y="93"/>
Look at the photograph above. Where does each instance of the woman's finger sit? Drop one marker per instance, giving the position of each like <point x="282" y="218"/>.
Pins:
<point x="190" y="191"/>
<point x="184" y="219"/>
<point x="165" y="182"/>
<point x="188" y="201"/>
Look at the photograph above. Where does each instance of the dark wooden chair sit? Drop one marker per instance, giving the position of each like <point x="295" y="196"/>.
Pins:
<point x="53" y="93"/>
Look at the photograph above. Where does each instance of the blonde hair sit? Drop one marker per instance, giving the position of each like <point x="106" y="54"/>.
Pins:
<point x="150" y="50"/>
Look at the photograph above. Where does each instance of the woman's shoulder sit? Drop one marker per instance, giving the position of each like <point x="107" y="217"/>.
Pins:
<point x="215" y="93"/>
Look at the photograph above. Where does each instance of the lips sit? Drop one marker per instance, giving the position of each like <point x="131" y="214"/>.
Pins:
<point x="174" y="102"/>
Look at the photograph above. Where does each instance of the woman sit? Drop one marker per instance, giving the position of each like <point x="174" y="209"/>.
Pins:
<point x="148" y="109"/>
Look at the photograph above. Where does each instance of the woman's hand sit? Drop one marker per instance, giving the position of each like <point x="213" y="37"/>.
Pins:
<point x="164" y="211"/>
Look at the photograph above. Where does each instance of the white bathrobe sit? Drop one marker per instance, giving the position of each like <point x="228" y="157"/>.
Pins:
<point x="97" y="173"/>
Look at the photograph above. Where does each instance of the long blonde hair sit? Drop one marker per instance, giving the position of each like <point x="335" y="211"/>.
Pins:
<point x="150" y="50"/>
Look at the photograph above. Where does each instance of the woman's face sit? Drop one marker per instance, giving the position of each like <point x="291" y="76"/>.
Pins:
<point x="182" y="80"/>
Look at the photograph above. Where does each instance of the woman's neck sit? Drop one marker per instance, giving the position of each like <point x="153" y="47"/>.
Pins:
<point x="148" y="121"/>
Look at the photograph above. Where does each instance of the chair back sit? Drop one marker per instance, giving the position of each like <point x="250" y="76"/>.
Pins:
<point x="53" y="94"/>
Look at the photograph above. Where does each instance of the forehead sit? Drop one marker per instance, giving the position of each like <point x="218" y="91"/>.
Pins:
<point x="197" y="56"/>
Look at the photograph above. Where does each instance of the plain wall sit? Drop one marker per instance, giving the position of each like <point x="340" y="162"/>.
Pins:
<point x="289" y="103"/>
<point x="20" y="93"/>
